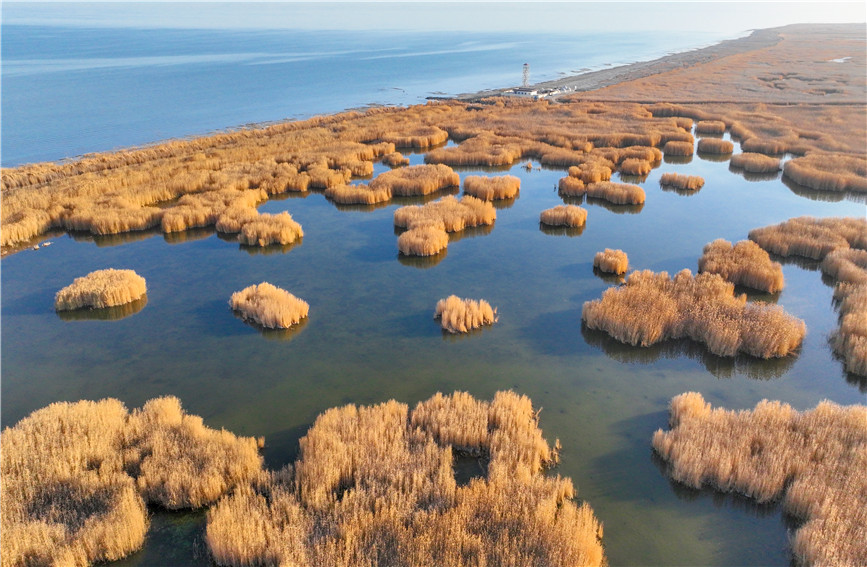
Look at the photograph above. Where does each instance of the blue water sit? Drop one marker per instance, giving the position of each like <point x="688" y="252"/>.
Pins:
<point x="70" y="89"/>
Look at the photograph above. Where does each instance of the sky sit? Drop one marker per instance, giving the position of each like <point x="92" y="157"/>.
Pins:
<point x="717" y="17"/>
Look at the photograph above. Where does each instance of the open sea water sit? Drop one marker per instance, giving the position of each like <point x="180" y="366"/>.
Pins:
<point x="371" y="335"/>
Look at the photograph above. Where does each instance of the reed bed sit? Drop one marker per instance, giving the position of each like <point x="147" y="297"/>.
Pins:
<point x="416" y="180"/>
<point x="715" y="146"/>
<point x="710" y="127"/>
<point x="617" y="193"/>
<point x="755" y="162"/>
<point x="815" y="461"/>
<point x="423" y="241"/>
<point x="683" y="182"/>
<point x="829" y="172"/>
<point x="76" y="477"/>
<point x="100" y="289"/>
<point x="452" y="214"/>
<point x="571" y="187"/>
<point x="635" y="166"/>
<point x="848" y="267"/>
<point x="653" y="307"/>
<point x="374" y="485"/>
<point x="395" y="159"/>
<point x="592" y="171"/>
<point x="269" y="306"/>
<point x="492" y="188"/>
<point x="270" y="229"/>
<point x="678" y="148"/>
<point x="422" y="137"/>
<point x="812" y="237"/>
<point x="358" y="194"/>
<point x="744" y="264"/>
<point x="458" y="315"/>
<point x="564" y="215"/>
<point x="611" y="261"/>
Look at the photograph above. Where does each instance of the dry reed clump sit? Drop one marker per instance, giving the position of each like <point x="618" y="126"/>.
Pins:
<point x="101" y="288"/>
<point x="374" y="485"/>
<point x="617" y="193"/>
<point x="812" y="237"/>
<point x="452" y="214"/>
<point x="755" y="163"/>
<point x="611" y="261"/>
<point x="635" y="166"/>
<point x="269" y="229"/>
<point x="395" y="159"/>
<point x="571" y="187"/>
<point x="710" y="127"/>
<point x="422" y="137"/>
<point x="564" y="215"/>
<point x="652" y="307"/>
<point x="358" y="194"/>
<point x="829" y="172"/>
<point x="684" y="182"/>
<point x="458" y="315"/>
<point x="424" y="240"/>
<point x="715" y="146"/>
<point x="75" y="477"/>
<point x="815" y="461"/>
<point x="269" y="306"/>
<point x="744" y="264"/>
<point x="592" y="171"/>
<point x="416" y="180"/>
<point x="848" y="267"/>
<point x="491" y="188"/>
<point x="677" y="148"/>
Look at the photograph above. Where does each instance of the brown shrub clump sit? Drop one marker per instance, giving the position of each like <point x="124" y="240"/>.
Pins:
<point x="358" y="194"/>
<point x="812" y="237"/>
<point x="715" y="146"/>
<point x="416" y="180"/>
<point x="490" y="188"/>
<point x="458" y="315"/>
<point x="829" y="172"/>
<point x="269" y="306"/>
<point x="744" y="264"/>
<point x="423" y="240"/>
<point x="75" y="477"/>
<point x="677" y="148"/>
<point x="374" y="485"/>
<point x="611" y="261"/>
<point x="755" y="163"/>
<point x="815" y="461"/>
<point x="270" y="229"/>
<point x="652" y="307"/>
<point x="684" y="182"/>
<point x="101" y="288"/>
<point x="617" y="193"/>
<point x="564" y="215"/>
<point x="710" y="127"/>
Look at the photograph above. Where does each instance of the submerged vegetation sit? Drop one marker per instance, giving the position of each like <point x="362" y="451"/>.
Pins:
<point x="458" y="315"/>
<point x="269" y="306"/>
<point x="101" y="288"/>
<point x="653" y="307"/>
<point x="815" y="461"/>
<point x="374" y="485"/>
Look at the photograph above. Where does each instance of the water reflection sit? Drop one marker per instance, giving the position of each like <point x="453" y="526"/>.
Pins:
<point x="106" y="313"/>
<point x="608" y="277"/>
<point x="714" y="157"/>
<point x="561" y="230"/>
<point x="275" y="334"/>
<point x="189" y="235"/>
<point x="104" y="240"/>
<point x="720" y="367"/>
<point x="270" y="249"/>
<point x="422" y="262"/>
<point x="677" y="160"/>
<point x="754" y="176"/>
<point x="679" y="191"/>
<point x="827" y="196"/>
<point x="615" y="208"/>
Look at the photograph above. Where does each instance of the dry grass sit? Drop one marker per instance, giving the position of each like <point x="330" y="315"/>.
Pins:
<point x="101" y="288"/>
<point x="815" y="461"/>
<point x="458" y="315"/>
<point x="564" y="215"/>
<point x="358" y="194"/>
<point x="76" y="477"/>
<point x="269" y="306"/>
<point x="812" y="237"/>
<point x="592" y="171"/>
<point x="374" y="486"/>
<point x="829" y="172"/>
<point x="611" y="261"/>
<point x="454" y="215"/>
<point x="617" y="193"/>
<point x="715" y="146"/>
<point x="421" y="137"/>
<point x="683" y="182"/>
<point x="635" y="166"/>
<point x="744" y="264"/>
<point x="710" y="127"/>
<point x="755" y="163"/>
<point x="423" y="240"/>
<point x="491" y="188"/>
<point x="416" y="180"/>
<point x="676" y="148"/>
<point x="395" y="159"/>
<point x="571" y="186"/>
<point x="269" y="229"/>
<point x="652" y="307"/>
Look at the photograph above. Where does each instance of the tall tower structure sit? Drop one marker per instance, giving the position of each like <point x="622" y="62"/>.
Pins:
<point x="526" y="76"/>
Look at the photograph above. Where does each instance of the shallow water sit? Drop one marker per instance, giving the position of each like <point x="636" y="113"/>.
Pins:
<point x="371" y="336"/>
